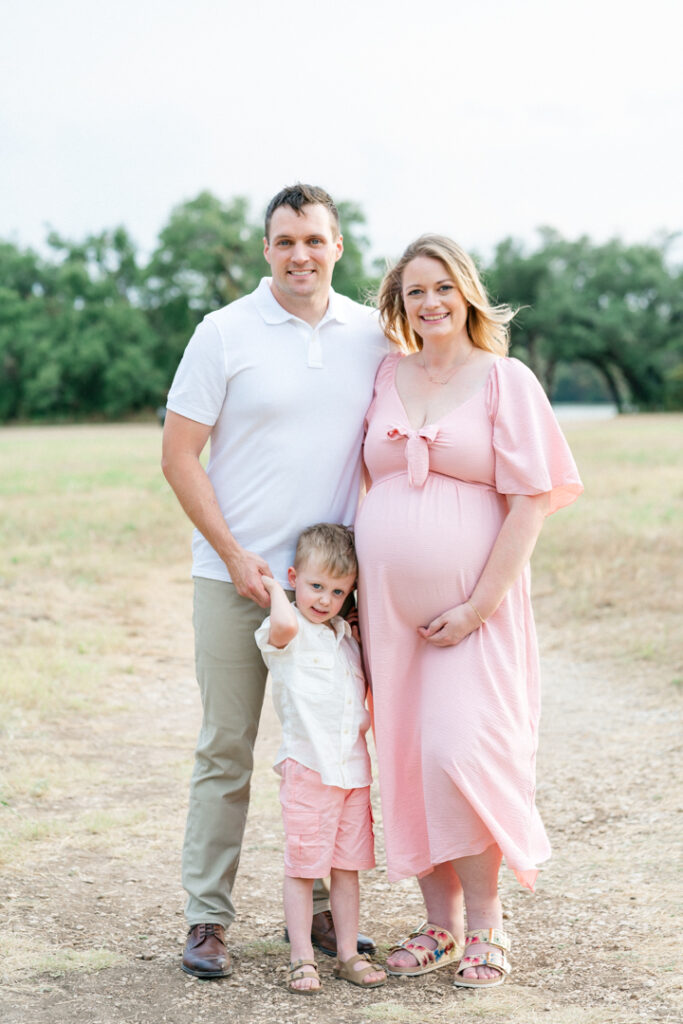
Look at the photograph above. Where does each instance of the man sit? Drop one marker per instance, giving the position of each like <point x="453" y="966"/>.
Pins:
<point x="280" y="380"/>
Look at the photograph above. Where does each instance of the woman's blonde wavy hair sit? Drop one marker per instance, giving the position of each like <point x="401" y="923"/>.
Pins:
<point x="487" y="325"/>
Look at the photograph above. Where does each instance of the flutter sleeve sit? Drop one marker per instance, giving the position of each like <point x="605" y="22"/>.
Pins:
<point x="531" y="453"/>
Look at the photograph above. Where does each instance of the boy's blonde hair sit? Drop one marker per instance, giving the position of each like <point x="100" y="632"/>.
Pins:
<point x="331" y="545"/>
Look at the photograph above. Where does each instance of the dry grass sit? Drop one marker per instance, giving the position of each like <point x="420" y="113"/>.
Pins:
<point x="609" y="567"/>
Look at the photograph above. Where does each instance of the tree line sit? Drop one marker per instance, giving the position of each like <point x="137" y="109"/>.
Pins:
<point x="92" y="329"/>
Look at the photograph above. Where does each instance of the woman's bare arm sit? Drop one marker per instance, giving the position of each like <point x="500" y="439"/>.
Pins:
<point x="510" y="553"/>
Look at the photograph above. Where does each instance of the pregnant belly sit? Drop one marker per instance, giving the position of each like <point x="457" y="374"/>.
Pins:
<point x="425" y="548"/>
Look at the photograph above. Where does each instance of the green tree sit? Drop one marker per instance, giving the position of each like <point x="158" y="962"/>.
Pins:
<point x="350" y="274"/>
<point x="208" y="254"/>
<point x="23" y="282"/>
<point x="92" y="350"/>
<point x="615" y="307"/>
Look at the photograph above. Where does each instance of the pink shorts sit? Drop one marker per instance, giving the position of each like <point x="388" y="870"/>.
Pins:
<point x="325" y="826"/>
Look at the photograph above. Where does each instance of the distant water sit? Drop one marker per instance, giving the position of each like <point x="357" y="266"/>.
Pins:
<point x="571" y="412"/>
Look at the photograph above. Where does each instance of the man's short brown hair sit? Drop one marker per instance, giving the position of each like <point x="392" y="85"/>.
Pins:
<point x="296" y="196"/>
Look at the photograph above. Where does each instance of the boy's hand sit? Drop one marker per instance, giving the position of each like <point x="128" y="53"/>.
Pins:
<point x="272" y="587"/>
<point x="352" y="619"/>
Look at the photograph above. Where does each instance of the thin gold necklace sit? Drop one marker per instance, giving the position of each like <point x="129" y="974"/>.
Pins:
<point x="436" y="380"/>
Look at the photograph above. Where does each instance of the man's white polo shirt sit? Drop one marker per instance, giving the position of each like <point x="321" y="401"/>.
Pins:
<point x="287" y="404"/>
<point x="319" y="696"/>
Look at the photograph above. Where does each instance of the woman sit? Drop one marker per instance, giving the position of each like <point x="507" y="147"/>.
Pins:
<point x="465" y="459"/>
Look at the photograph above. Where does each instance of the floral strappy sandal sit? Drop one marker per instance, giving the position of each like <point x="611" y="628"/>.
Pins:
<point x="446" y="951"/>
<point x="495" y="958"/>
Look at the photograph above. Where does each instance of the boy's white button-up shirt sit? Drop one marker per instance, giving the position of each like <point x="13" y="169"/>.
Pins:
<point x="319" y="695"/>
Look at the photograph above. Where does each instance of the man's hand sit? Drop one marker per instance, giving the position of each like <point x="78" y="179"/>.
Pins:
<point x="246" y="572"/>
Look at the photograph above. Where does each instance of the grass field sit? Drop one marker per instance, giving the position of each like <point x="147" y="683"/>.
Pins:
<point x="610" y="566"/>
<point x="96" y="714"/>
<point x="86" y="513"/>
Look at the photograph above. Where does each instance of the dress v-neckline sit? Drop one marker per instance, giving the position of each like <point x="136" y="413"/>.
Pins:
<point x="456" y="408"/>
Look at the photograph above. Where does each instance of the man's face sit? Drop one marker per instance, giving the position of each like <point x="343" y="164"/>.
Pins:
<point x="302" y="250"/>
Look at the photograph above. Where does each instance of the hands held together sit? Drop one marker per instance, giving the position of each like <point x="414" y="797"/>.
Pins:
<point x="247" y="572"/>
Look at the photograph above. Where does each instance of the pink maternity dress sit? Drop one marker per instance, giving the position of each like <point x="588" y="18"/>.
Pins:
<point x="455" y="727"/>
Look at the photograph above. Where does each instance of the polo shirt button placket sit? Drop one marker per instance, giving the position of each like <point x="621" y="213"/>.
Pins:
<point x="315" y="352"/>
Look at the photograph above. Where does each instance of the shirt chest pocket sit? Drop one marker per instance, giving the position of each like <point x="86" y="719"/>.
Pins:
<point x="314" y="673"/>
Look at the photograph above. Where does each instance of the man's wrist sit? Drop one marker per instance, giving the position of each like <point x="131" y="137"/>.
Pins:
<point x="230" y="551"/>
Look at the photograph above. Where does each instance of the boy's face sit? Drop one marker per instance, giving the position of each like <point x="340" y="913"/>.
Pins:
<point x="319" y="596"/>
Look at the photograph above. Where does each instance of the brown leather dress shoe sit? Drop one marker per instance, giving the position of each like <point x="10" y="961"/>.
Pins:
<point x="205" y="954"/>
<point x="324" y="938"/>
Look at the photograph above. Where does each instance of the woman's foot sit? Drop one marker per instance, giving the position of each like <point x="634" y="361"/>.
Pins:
<point x="423" y="951"/>
<point x="403" y="958"/>
<point x="479" y="949"/>
<point x="484" y="962"/>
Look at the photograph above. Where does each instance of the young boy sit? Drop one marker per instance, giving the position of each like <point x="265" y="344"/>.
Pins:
<point x="323" y="761"/>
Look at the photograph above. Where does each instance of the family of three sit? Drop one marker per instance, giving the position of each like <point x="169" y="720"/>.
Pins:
<point x="300" y="390"/>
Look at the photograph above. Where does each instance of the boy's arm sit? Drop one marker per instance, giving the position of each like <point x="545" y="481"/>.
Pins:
<point x="283" y="623"/>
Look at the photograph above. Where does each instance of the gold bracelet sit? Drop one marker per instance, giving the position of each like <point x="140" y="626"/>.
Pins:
<point x="482" y="620"/>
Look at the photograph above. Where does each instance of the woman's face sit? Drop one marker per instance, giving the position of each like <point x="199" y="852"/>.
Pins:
<point x="434" y="305"/>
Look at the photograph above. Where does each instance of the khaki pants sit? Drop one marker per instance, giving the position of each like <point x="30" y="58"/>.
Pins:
<point x="232" y="678"/>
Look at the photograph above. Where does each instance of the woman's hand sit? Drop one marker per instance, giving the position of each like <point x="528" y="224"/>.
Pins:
<point x="449" y="629"/>
<point x="509" y="555"/>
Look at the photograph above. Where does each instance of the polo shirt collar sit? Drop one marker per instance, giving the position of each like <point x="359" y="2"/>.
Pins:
<point x="273" y="313"/>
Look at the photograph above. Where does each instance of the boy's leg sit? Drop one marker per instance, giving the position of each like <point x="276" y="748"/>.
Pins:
<point x="344" y="898"/>
<point x="353" y="851"/>
<point x="298" y="900"/>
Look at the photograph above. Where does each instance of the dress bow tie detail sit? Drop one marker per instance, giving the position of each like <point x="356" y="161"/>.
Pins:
<point x="417" y="450"/>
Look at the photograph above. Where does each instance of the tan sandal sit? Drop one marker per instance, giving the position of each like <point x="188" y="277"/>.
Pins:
<point x="446" y="951"/>
<point x="295" y="972"/>
<point x="345" y="971"/>
<point x="493" y="958"/>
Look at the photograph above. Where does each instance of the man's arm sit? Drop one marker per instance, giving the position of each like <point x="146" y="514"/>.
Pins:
<point x="183" y="442"/>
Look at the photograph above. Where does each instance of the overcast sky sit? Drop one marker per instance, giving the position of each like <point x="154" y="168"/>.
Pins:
<point x="478" y="119"/>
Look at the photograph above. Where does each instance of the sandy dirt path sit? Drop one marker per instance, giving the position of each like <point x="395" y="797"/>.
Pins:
<point x="599" y="942"/>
